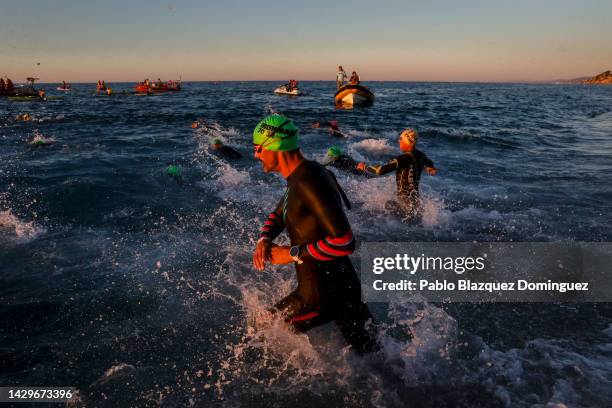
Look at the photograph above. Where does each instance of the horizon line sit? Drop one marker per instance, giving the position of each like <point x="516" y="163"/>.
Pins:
<point x="518" y="81"/>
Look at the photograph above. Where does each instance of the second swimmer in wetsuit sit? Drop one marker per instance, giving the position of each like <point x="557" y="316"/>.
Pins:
<point x="225" y="151"/>
<point x="321" y="239"/>
<point x="408" y="167"/>
<point x="336" y="158"/>
<point x="332" y="127"/>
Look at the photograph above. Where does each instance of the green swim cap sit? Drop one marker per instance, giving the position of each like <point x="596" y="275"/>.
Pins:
<point x="174" y="171"/>
<point x="334" y="151"/>
<point x="215" y="141"/>
<point x="276" y="133"/>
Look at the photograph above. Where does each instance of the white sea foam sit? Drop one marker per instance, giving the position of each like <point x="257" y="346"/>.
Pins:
<point x="371" y="147"/>
<point x="40" y="139"/>
<point x="230" y="177"/>
<point x="14" y="229"/>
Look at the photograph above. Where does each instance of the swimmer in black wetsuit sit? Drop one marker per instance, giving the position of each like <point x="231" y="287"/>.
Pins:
<point x="225" y="151"/>
<point x="408" y="167"/>
<point x="332" y="127"/>
<point x="321" y="239"/>
<point x="336" y="158"/>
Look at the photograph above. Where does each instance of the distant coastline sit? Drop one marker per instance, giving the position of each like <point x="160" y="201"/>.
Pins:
<point x="603" y="78"/>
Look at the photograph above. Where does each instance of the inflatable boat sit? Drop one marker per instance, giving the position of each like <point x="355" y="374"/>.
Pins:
<point x="354" y="95"/>
<point x="156" y="87"/>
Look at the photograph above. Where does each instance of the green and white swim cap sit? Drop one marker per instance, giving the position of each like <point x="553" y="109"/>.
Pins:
<point x="334" y="151"/>
<point x="276" y="133"/>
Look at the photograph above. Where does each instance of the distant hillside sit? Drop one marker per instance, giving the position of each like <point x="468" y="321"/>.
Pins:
<point x="603" y="78"/>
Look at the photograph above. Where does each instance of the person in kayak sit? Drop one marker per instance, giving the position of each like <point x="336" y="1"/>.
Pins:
<point x="42" y="95"/>
<point x="340" y="77"/>
<point x="9" y="88"/>
<point x="336" y="158"/>
<point x="408" y="167"/>
<point x="354" y="80"/>
<point x="225" y="151"/>
<point x="321" y="239"/>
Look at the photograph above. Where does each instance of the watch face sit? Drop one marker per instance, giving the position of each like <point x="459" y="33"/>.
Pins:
<point x="294" y="251"/>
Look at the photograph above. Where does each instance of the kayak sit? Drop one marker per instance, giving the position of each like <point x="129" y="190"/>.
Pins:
<point x="354" y="95"/>
<point x="59" y="88"/>
<point x="33" y="98"/>
<point x="282" y="90"/>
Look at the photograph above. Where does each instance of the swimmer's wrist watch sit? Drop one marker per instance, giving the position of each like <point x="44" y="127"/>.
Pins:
<point x="294" y="252"/>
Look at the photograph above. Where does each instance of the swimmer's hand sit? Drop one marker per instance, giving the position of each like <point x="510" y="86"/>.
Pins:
<point x="361" y="166"/>
<point x="280" y="255"/>
<point x="431" y="170"/>
<point x="262" y="254"/>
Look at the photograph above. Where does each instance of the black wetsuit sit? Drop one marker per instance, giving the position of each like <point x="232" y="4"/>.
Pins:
<point x="328" y="287"/>
<point x="346" y="163"/>
<point x="228" y="152"/>
<point x="408" y="168"/>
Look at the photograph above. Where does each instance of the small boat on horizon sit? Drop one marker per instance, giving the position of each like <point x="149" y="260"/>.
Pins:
<point x="64" y="87"/>
<point x="148" y="87"/>
<point x="291" y="88"/>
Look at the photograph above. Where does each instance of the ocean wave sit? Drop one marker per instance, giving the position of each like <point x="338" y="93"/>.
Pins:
<point x="13" y="229"/>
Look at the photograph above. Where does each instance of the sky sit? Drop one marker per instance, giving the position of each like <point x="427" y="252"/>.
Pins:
<point x="410" y="40"/>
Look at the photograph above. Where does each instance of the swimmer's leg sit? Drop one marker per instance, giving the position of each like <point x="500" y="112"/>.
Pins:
<point x="358" y="327"/>
<point x="406" y="207"/>
<point x="303" y="317"/>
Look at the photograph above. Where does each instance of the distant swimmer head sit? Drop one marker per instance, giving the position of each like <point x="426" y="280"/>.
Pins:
<point x="24" y="117"/>
<point x="334" y="151"/>
<point x="216" y="144"/>
<point x="174" y="171"/>
<point x="408" y="138"/>
<point x="276" y="133"/>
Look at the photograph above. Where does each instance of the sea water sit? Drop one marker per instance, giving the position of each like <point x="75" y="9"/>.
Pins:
<point x="136" y="287"/>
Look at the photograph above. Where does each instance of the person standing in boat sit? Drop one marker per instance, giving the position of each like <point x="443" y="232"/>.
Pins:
<point x="340" y="77"/>
<point x="8" y="86"/>
<point x="354" y="79"/>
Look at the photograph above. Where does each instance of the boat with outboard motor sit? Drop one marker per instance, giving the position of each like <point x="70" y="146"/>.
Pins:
<point x="22" y="90"/>
<point x="352" y="94"/>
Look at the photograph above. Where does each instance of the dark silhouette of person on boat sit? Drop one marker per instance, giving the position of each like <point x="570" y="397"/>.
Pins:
<point x="340" y="77"/>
